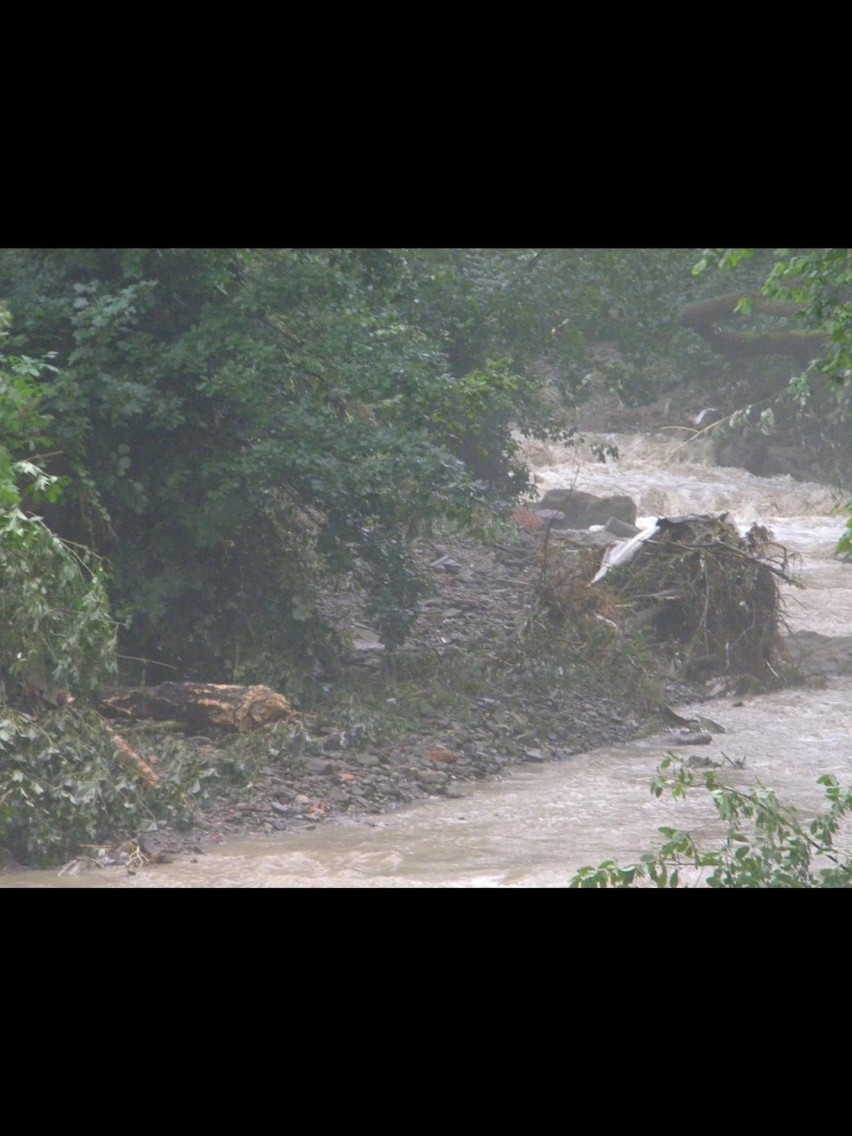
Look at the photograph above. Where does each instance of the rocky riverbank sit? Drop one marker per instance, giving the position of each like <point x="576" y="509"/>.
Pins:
<point x="467" y="697"/>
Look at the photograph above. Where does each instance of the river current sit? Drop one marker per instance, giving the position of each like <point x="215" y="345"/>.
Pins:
<point x="540" y="823"/>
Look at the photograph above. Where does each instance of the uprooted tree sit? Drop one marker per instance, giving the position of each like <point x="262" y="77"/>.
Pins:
<point x="709" y="596"/>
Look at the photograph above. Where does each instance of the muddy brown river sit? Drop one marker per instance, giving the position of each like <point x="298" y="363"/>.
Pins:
<point x="540" y="823"/>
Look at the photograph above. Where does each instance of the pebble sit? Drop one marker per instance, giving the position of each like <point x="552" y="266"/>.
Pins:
<point x="319" y="765"/>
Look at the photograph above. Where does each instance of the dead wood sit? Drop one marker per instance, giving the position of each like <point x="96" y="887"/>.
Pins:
<point x="202" y="705"/>
<point x="704" y="317"/>
<point x="721" y="610"/>
<point x="130" y="757"/>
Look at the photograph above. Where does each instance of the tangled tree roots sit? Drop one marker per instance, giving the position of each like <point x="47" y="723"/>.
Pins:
<point x="587" y="618"/>
<point x="711" y="594"/>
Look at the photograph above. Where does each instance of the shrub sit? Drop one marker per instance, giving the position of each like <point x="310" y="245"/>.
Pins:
<point x="768" y="844"/>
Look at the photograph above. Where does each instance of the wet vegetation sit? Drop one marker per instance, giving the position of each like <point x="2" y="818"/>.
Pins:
<point x="767" y="843"/>
<point x="199" y="446"/>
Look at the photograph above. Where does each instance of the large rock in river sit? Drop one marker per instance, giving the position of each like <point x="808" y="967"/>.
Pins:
<point x="584" y="509"/>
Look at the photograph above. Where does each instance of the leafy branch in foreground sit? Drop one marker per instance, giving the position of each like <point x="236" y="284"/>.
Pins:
<point x="768" y="844"/>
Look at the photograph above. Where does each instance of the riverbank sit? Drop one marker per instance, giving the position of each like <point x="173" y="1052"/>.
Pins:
<point x="479" y="686"/>
<point x="473" y="692"/>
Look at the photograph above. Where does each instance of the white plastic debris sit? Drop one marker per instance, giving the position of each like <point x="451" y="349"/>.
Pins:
<point x="624" y="551"/>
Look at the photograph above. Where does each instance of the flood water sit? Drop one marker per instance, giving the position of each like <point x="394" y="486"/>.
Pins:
<point x="540" y="823"/>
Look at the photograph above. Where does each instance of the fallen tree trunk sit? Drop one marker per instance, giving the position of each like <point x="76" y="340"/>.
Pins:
<point x="201" y="705"/>
<point x="704" y="313"/>
<point x="704" y="317"/>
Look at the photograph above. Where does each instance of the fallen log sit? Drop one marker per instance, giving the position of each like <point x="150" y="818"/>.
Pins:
<point x="201" y="705"/>
<point x="130" y="757"/>
<point x="704" y="317"/>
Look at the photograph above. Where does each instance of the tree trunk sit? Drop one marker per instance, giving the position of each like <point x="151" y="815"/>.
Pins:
<point x="703" y="318"/>
<point x="201" y="705"/>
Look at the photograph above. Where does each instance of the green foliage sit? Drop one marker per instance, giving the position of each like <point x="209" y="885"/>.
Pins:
<point x="63" y="786"/>
<point x="820" y="280"/>
<point x="239" y="427"/>
<point x="844" y="545"/>
<point x="254" y="423"/>
<point x="767" y="844"/>
<point x="55" y="629"/>
<point x="724" y="259"/>
<point x="818" y="285"/>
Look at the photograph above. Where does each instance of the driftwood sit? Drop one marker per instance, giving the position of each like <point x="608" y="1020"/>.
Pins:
<point x="709" y="593"/>
<point x="201" y="705"/>
<point x="130" y="757"/>
<point x="704" y="313"/>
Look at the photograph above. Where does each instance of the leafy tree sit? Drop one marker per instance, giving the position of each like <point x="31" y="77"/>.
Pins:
<point x="812" y="290"/>
<point x="237" y="425"/>
<point x="56" y="635"/>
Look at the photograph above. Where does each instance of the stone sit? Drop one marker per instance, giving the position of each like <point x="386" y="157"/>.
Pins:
<point x="431" y="777"/>
<point x="319" y="765"/>
<point x="584" y="509"/>
<point x="620" y="528"/>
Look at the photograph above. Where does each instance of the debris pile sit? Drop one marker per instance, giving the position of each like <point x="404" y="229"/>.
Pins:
<point x="710" y="594"/>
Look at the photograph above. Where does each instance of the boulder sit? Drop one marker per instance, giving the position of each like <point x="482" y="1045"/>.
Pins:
<point x="584" y="509"/>
<point x="621" y="529"/>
